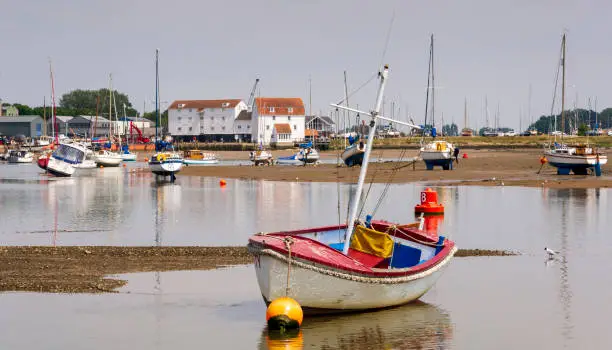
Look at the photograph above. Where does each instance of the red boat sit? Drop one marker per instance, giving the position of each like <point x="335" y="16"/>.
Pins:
<point x="43" y="160"/>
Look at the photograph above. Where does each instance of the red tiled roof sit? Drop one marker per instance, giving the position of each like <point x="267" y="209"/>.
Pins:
<point x="201" y="104"/>
<point x="281" y="105"/>
<point x="282" y="128"/>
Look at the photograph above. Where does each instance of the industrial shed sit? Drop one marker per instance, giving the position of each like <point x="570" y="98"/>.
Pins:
<point x="28" y="125"/>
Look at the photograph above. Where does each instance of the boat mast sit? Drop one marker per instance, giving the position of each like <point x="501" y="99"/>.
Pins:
<point x="110" y="107"/>
<point x="346" y="101"/>
<point x="156" y="94"/>
<point x="427" y="92"/>
<point x="563" y="88"/>
<point x="45" y="115"/>
<point x="366" y="157"/>
<point x="54" y="133"/>
<point x="433" y="84"/>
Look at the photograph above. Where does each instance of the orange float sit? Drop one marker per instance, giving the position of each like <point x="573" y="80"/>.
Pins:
<point x="429" y="203"/>
<point x="284" y="313"/>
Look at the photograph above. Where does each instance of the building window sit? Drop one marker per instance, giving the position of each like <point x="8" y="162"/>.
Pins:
<point x="189" y="110"/>
<point x="267" y="127"/>
<point x="294" y="127"/>
<point x="190" y="128"/>
<point x="271" y="109"/>
<point x="212" y="118"/>
<point x="201" y="117"/>
<point x="179" y="118"/>
<point x="189" y="118"/>
<point x="239" y="126"/>
<point x="248" y="126"/>
<point x="273" y="117"/>
<point x="289" y="117"/>
<point x="290" y="109"/>
<point x="222" y="118"/>
<point x="223" y="128"/>
<point x="212" y="128"/>
<point x="179" y="128"/>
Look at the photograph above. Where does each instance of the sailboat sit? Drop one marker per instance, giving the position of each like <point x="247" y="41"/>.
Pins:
<point x="579" y="158"/>
<point x="306" y="154"/>
<point x="163" y="162"/>
<point x="467" y="132"/>
<point x="356" y="266"/>
<point x="104" y="157"/>
<point x="353" y="154"/>
<point x="126" y="155"/>
<point x="435" y="152"/>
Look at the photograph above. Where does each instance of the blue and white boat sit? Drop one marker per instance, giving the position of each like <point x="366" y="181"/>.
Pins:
<point x="353" y="154"/>
<point x="306" y="155"/>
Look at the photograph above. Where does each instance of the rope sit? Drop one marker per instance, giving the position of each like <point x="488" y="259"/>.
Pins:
<point x="288" y="243"/>
<point x="325" y="270"/>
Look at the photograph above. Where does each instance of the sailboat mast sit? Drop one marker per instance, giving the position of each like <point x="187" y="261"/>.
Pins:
<point x="53" y="103"/>
<point x="427" y="92"/>
<point x="366" y="157"/>
<point x="346" y="101"/>
<point x="45" y="115"/>
<point x="156" y="92"/>
<point x="433" y="85"/>
<point x="465" y="117"/>
<point x="110" y="107"/>
<point x="563" y="88"/>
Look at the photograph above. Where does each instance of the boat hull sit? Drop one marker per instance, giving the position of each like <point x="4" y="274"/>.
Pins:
<point x="60" y="168"/>
<point x="20" y="160"/>
<point x="353" y="156"/>
<point x="86" y="164"/>
<point x="200" y="161"/>
<point x="128" y="157"/>
<point x="319" y="289"/>
<point x="108" y="161"/>
<point x="437" y="158"/>
<point x="42" y="162"/>
<point x="166" y="168"/>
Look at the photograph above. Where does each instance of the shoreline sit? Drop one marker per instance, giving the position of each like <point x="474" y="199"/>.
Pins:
<point x="89" y="269"/>
<point x="481" y="168"/>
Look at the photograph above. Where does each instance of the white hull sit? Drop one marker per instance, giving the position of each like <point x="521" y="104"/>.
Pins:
<point x="108" y="160"/>
<point x="87" y="164"/>
<point x="128" y="157"/>
<point x="351" y="152"/>
<point x="60" y="168"/>
<point x="313" y="289"/>
<point x="200" y="161"/>
<point x="166" y="168"/>
<point x="436" y="155"/>
<point x="575" y="160"/>
<point x="17" y="160"/>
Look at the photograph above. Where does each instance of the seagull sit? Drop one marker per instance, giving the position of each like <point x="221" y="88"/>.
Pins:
<point x="551" y="253"/>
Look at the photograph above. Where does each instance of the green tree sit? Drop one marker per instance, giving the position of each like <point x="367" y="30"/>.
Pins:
<point x="583" y="129"/>
<point x="88" y="101"/>
<point x="23" y="109"/>
<point x="163" y="117"/>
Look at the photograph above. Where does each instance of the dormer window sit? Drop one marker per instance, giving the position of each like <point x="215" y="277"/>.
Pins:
<point x="181" y="105"/>
<point x="271" y="109"/>
<point x="273" y="117"/>
<point x="225" y="104"/>
<point x="290" y="109"/>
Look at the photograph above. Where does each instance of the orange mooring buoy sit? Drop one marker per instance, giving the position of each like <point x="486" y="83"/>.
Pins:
<point x="222" y="183"/>
<point x="543" y="160"/>
<point x="146" y="159"/>
<point x="429" y="203"/>
<point x="465" y="155"/>
<point x="284" y="313"/>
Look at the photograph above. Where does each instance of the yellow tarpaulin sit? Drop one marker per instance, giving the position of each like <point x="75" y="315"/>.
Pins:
<point x="372" y="242"/>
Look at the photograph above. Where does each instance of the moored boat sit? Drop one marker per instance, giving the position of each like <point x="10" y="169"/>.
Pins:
<point x="166" y="163"/>
<point x="197" y="157"/>
<point x="437" y="153"/>
<point x="353" y="154"/>
<point x="20" y="156"/>
<point x="107" y="158"/>
<point x="43" y="160"/>
<point x="64" y="158"/>
<point x="261" y="157"/>
<point x="352" y="267"/>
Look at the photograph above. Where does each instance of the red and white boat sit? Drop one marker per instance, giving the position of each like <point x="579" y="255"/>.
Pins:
<point x="358" y="266"/>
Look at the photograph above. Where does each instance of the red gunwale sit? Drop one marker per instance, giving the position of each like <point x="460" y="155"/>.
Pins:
<point x="315" y="252"/>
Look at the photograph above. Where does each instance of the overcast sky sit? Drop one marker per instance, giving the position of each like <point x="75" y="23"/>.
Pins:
<point x="216" y="49"/>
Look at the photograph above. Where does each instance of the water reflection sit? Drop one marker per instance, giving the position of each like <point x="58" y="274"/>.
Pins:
<point x="414" y="326"/>
<point x="166" y="199"/>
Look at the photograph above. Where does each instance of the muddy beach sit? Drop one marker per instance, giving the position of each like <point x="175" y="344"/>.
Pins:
<point x="481" y="167"/>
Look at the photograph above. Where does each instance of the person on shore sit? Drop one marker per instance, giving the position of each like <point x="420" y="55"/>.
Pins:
<point x="456" y="154"/>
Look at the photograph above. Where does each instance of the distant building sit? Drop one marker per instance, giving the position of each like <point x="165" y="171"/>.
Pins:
<point x="28" y="125"/>
<point x="62" y="124"/>
<point x="89" y="125"/>
<point x="8" y="111"/>
<point x="278" y="120"/>
<point x="243" y="126"/>
<point x="208" y="120"/>
<point x="323" y="126"/>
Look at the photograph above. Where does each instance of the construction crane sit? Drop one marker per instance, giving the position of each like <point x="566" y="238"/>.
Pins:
<point x="252" y="97"/>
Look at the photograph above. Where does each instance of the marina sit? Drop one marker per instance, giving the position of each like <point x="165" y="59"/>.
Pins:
<point x="244" y="177"/>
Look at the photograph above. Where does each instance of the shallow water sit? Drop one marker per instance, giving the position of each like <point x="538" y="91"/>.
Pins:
<point x="524" y="301"/>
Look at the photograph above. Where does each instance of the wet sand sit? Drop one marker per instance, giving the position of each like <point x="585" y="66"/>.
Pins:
<point x="482" y="168"/>
<point x="85" y="269"/>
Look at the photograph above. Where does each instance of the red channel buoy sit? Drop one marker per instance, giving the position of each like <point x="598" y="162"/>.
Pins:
<point x="429" y="203"/>
<point x="222" y="183"/>
<point x="465" y="155"/>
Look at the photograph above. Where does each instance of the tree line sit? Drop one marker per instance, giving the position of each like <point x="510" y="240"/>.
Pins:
<point x="582" y="120"/>
<point x="90" y="102"/>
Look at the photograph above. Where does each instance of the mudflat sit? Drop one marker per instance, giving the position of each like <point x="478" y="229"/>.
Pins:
<point x="483" y="167"/>
<point x="85" y="269"/>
